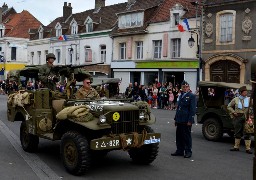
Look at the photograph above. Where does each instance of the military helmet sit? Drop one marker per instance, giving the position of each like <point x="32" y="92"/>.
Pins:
<point x="50" y="55"/>
<point x="80" y="74"/>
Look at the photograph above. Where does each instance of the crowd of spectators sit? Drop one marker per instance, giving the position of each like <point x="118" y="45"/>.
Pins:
<point x="158" y="96"/>
<point x="7" y="86"/>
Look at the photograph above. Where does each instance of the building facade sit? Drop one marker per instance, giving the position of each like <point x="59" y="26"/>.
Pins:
<point x="14" y="38"/>
<point x="153" y="48"/>
<point x="228" y="40"/>
<point x="78" y="39"/>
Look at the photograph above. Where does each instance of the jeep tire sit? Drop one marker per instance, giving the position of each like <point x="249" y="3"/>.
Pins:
<point x="212" y="129"/>
<point x="146" y="154"/>
<point x="75" y="153"/>
<point x="29" y="142"/>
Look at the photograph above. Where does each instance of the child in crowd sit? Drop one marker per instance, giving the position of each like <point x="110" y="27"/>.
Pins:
<point x="171" y="99"/>
<point x="150" y="99"/>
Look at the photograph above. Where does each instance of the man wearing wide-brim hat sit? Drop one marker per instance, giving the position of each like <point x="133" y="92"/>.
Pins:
<point x="238" y="109"/>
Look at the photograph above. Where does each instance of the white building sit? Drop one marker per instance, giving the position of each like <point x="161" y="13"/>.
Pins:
<point x="157" y="50"/>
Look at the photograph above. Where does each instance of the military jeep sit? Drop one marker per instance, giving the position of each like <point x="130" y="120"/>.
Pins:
<point x="87" y="129"/>
<point x="212" y="110"/>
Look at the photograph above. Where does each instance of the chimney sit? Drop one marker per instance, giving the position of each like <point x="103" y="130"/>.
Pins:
<point x="4" y="7"/>
<point x="99" y="4"/>
<point x="67" y="10"/>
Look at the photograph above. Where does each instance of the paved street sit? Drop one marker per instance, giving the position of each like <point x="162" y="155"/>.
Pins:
<point x="210" y="160"/>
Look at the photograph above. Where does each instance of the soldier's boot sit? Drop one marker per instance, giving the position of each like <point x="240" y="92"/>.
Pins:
<point x="236" y="146"/>
<point x="248" y="146"/>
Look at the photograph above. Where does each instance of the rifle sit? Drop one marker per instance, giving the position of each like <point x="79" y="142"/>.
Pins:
<point x="73" y="73"/>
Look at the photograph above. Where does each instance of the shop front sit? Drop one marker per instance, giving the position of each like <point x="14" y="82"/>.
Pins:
<point x="148" y="72"/>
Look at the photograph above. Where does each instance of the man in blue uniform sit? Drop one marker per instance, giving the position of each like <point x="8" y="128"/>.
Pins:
<point x="184" y="119"/>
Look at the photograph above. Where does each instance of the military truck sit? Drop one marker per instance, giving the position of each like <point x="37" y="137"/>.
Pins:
<point x="87" y="129"/>
<point x="212" y="110"/>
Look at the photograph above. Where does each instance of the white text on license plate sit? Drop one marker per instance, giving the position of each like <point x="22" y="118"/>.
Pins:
<point x="109" y="143"/>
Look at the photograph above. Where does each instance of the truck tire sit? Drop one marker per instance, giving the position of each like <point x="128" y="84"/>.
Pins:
<point x="75" y="153"/>
<point x="146" y="154"/>
<point x="29" y="142"/>
<point x="212" y="129"/>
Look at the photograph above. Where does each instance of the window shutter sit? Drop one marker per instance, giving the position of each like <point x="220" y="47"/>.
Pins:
<point x="165" y="45"/>
<point x="129" y="48"/>
<point x="89" y="55"/>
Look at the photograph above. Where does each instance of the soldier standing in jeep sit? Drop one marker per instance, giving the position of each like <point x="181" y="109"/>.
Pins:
<point x="46" y="75"/>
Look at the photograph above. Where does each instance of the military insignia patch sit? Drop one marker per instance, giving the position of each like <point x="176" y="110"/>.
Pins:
<point x="116" y="116"/>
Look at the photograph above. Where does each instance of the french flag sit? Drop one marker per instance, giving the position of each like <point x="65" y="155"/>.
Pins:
<point x="63" y="38"/>
<point x="184" y="26"/>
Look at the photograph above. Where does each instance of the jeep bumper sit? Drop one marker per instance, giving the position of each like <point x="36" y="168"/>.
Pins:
<point x="124" y="141"/>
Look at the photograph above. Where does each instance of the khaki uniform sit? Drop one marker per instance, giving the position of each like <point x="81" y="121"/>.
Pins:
<point x="238" y="122"/>
<point x="233" y="107"/>
<point x="82" y="93"/>
<point x="44" y="72"/>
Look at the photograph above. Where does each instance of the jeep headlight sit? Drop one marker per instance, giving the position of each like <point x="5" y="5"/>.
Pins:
<point x="142" y="115"/>
<point x="102" y="119"/>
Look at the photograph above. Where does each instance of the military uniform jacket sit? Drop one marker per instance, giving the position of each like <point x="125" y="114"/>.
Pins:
<point x="44" y="72"/>
<point x="186" y="108"/>
<point x="82" y="93"/>
<point x="233" y="107"/>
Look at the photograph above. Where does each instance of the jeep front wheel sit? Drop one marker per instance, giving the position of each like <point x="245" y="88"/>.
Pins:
<point x="74" y="151"/>
<point x="29" y="142"/>
<point x="212" y="129"/>
<point x="146" y="154"/>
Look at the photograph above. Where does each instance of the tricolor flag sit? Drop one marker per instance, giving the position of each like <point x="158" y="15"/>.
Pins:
<point x="62" y="38"/>
<point x="184" y="26"/>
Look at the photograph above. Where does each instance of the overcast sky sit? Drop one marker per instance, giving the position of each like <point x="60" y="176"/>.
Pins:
<point x="47" y="10"/>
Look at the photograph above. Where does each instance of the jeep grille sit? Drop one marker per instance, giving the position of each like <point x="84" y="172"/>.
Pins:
<point x="128" y="122"/>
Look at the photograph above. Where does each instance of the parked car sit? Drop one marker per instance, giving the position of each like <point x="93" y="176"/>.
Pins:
<point x="212" y="108"/>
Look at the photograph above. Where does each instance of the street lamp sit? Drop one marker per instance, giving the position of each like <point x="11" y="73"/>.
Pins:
<point x="191" y="40"/>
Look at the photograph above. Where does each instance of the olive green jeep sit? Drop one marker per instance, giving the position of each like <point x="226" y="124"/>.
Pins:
<point x="212" y="110"/>
<point x="87" y="129"/>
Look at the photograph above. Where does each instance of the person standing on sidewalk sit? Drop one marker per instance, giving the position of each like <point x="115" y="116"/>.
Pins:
<point x="184" y="119"/>
<point x="238" y="109"/>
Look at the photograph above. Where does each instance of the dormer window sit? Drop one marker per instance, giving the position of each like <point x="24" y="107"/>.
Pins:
<point x="41" y="32"/>
<point x="74" y="27"/>
<point x="58" y="29"/>
<point x="176" y="18"/>
<point x="2" y="29"/>
<point x="176" y="13"/>
<point x="89" y="25"/>
<point x="130" y="20"/>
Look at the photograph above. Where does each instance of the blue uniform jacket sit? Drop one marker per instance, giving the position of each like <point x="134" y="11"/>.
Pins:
<point x="186" y="108"/>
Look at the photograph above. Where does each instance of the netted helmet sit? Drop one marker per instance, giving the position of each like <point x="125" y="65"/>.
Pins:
<point x="80" y="74"/>
<point x="50" y="55"/>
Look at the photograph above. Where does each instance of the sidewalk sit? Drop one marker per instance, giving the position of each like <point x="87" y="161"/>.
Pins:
<point x="12" y="165"/>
